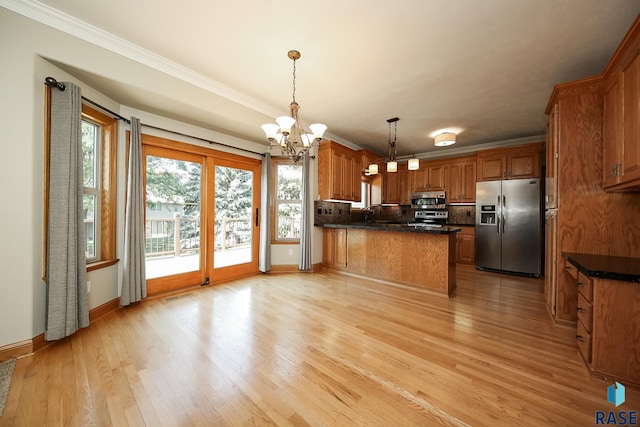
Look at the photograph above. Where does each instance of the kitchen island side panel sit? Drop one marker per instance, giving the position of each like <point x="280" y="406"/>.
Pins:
<point x="415" y="259"/>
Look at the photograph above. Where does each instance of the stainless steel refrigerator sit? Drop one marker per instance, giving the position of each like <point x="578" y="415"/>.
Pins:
<point x="509" y="226"/>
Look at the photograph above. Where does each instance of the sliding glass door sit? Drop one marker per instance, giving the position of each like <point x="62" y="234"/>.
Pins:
<point x="236" y="197"/>
<point x="202" y="217"/>
<point x="173" y="218"/>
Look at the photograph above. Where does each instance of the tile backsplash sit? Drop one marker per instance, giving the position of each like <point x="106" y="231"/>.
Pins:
<point x="462" y="215"/>
<point x="340" y="213"/>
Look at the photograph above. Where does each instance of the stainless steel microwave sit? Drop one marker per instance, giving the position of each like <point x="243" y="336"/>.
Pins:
<point x="429" y="200"/>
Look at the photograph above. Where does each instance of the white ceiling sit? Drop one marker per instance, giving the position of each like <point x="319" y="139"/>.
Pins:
<point x="486" y="68"/>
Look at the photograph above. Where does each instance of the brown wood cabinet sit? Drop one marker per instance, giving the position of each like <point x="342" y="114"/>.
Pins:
<point x="551" y="151"/>
<point x="509" y="163"/>
<point x="461" y="180"/>
<point x="605" y="310"/>
<point x="334" y="247"/>
<point x="621" y="118"/>
<point x="466" y="245"/>
<point x="341" y="172"/>
<point x="391" y="186"/>
<point x="430" y="177"/>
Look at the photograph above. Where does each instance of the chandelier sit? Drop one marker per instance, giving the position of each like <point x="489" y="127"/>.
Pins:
<point x="288" y="133"/>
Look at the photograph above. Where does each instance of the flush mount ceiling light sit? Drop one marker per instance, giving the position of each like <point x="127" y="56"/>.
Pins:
<point x="288" y="133"/>
<point x="444" y="139"/>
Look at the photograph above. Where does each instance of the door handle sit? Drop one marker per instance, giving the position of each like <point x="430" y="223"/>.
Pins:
<point x="498" y="213"/>
<point x="257" y="216"/>
<point x="504" y="208"/>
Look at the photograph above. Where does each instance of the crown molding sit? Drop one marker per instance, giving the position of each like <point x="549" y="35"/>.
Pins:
<point x="68" y="24"/>
<point x="475" y="148"/>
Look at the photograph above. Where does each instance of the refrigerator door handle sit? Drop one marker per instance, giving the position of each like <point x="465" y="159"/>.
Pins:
<point x="498" y="216"/>
<point x="504" y="208"/>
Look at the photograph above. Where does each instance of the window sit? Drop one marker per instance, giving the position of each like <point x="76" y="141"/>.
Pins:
<point x="99" y="137"/>
<point x="91" y="191"/>
<point x="287" y="206"/>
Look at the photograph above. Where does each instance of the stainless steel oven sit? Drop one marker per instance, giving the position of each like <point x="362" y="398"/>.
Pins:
<point x="430" y="218"/>
<point x="429" y="200"/>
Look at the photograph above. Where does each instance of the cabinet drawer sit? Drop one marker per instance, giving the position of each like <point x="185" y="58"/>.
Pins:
<point x="583" y="339"/>
<point x="585" y="312"/>
<point x="571" y="269"/>
<point x="585" y="286"/>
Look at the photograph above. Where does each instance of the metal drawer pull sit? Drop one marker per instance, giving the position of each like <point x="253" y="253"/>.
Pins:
<point x="580" y="285"/>
<point x="580" y="310"/>
<point x="579" y="338"/>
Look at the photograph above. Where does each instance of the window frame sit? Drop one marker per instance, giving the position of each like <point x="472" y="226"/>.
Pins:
<point x="275" y="162"/>
<point x="106" y="231"/>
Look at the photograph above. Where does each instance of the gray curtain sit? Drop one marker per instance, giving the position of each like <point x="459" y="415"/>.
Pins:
<point x="134" y="284"/>
<point x="305" y="261"/>
<point x="265" y="218"/>
<point x="67" y="301"/>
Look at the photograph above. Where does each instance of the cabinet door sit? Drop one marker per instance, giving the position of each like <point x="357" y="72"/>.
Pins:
<point x="551" y="260"/>
<point x="465" y="246"/>
<point x="551" y="181"/>
<point x="524" y="162"/>
<point x="454" y="183"/>
<point x="468" y="181"/>
<point x="348" y="183"/>
<point x="631" y="113"/>
<point x="391" y="188"/>
<point x="337" y="175"/>
<point x="329" y="246"/>
<point x="421" y="178"/>
<point x="356" y="183"/>
<point x="406" y="178"/>
<point x="491" y="167"/>
<point x="341" y="247"/>
<point x="437" y="177"/>
<point x="612" y="130"/>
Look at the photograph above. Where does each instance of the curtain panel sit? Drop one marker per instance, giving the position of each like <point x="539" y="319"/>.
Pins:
<point x="265" y="226"/>
<point x="67" y="302"/>
<point x="305" y="263"/>
<point x="134" y="285"/>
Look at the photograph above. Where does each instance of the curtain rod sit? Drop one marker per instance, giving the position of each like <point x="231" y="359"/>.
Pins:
<point x="51" y="82"/>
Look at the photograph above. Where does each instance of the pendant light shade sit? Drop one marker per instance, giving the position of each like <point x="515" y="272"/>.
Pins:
<point x="373" y="169"/>
<point x="413" y="164"/>
<point x="392" y="166"/>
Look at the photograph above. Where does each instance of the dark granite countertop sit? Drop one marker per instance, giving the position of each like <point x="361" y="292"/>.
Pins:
<point x="606" y="267"/>
<point x="391" y="226"/>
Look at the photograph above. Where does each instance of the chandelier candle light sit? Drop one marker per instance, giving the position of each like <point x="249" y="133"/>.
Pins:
<point x="288" y="133"/>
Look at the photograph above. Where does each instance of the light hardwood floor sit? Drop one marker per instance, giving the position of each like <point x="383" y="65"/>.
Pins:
<point x="317" y="349"/>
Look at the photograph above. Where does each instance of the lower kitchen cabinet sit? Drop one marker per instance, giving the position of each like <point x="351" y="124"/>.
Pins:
<point x="466" y="245"/>
<point x="606" y="332"/>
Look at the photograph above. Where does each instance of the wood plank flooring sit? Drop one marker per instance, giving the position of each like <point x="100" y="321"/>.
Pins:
<point x="317" y="349"/>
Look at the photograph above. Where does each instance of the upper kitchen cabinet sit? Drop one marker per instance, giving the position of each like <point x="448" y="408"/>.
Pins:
<point x="430" y="176"/>
<point x="461" y="180"/>
<point x="621" y="117"/>
<point x="340" y="172"/>
<point x="509" y="163"/>
<point x="551" y="178"/>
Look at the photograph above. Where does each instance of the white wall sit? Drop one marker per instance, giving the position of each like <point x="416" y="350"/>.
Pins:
<point x="23" y="45"/>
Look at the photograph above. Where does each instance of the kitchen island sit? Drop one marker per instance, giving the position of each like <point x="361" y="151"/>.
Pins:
<point x="423" y="257"/>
